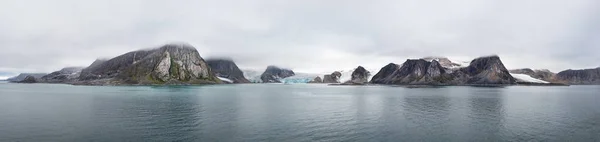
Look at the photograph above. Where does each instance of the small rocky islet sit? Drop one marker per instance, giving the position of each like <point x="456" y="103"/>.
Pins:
<point x="181" y="64"/>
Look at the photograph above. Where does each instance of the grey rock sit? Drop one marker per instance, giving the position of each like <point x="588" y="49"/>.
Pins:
<point x="316" y="80"/>
<point x="332" y="78"/>
<point x="382" y="77"/>
<point x="169" y="64"/>
<point x="228" y="69"/>
<point x="22" y="76"/>
<point x="29" y="79"/>
<point x="360" y="76"/>
<point x="484" y="70"/>
<point x="65" y="75"/>
<point x="274" y="74"/>
<point x="579" y="77"/>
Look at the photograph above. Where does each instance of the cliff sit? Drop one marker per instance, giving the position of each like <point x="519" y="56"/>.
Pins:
<point x="227" y="69"/>
<point x="579" y="77"/>
<point x="274" y="74"/>
<point x="169" y="64"/>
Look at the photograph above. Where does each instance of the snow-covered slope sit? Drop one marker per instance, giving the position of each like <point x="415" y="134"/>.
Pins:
<point x="253" y="75"/>
<point x="527" y="78"/>
<point x="225" y="79"/>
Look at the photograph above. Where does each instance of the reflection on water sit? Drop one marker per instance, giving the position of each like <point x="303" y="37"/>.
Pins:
<point x="258" y="112"/>
<point x="486" y="107"/>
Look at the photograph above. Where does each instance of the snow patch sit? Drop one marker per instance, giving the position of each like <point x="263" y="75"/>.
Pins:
<point x="225" y="79"/>
<point x="527" y="78"/>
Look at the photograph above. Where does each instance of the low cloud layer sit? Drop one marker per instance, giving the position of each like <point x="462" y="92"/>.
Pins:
<point x="305" y="35"/>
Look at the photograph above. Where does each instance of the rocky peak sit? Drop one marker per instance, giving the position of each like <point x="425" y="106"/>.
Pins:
<point x="273" y="74"/>
<point x="382" y="76"/>
<point x="316" y="80"/>
<point x="226" y="68"/>
<point x="332" y="78"/>
<point x="359" y="76"/>
<point x="22" y="76"/>
<point x="168" y="64"/>
<point x="488" y="70"/>
<point x="65" y="75"/>
<point x="443" y="61"/>
<point x="29" y="79"/>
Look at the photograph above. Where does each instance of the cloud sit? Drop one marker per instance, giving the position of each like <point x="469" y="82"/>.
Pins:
<point x="307" y="35"/>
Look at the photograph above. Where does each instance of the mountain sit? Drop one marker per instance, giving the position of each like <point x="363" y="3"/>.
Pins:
<point x="545" y="75"/>
<point x="487" y="70"/>
<point x="274" y="74"/>
<point x="332" y="78"/>
<point x="227" y="69"/>
<point x="483" y="70"/>
<point x="22" y="76"/>
<point x="579" y="77"/>
<point x="29" y="79"/>
<point x="382" y="76"/>
<point x="168" y="64"/>
<point x="65" y="75"/>
<point x="360" y="76"/>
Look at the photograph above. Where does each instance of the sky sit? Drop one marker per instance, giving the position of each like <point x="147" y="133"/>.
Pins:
<point x="304" y="35"/>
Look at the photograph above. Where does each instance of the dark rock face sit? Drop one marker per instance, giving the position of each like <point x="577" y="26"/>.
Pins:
<point x="415" y="72"/>
<point x="273" y="74"/>
<point x="545" y="75"/>
<point x="169" y="64"/>
<point x="382" y="76"/>
<point x="316" y="80"/>
<point x="227" y="69"/>
<point x="360" y="76"/>
<point x="579" y="77"/>
<point x="65" y="75"/>
<point x="332" y="78"/>
<point x="484" y="70"/>
<point x="28" y="79"/>
<point x="22" y="76"/>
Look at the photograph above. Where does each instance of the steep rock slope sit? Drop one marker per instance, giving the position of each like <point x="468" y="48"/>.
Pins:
<point x="169" y="64"/>
<point x="22" y="76"/>
<point x="227" y="69"/>
<point x="483" y="70"/>
<point x="579" y="77"/>
<point x="65" y="75"/>
<point x="359" y="76"/>
<point x="332" y="78"/>
<point x="274" y="74"/>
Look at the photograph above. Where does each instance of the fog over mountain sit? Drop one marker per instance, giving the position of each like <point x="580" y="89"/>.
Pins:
<point x="304" y="35"/>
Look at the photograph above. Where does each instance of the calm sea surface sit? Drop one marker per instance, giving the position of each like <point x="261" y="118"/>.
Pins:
<point x="301" y="112"/>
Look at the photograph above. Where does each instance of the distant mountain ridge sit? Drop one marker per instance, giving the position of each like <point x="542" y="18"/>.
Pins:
<point x="181" y="64"/>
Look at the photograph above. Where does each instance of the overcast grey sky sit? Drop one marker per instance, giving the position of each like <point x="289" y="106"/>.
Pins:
<point x="305" y="35"/>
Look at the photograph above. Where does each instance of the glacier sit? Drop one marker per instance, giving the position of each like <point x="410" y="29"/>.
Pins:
<point x="527" y="78"/>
